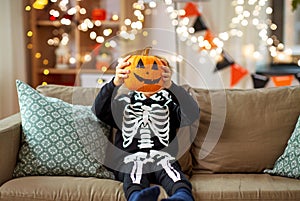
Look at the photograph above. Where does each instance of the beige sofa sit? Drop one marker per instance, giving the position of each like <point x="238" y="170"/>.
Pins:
<point x="240" y="133"/>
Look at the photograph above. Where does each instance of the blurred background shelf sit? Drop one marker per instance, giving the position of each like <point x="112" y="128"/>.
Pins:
<point x="63" y="47"/>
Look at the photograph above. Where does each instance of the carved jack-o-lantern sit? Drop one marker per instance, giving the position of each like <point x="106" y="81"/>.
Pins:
<point x="145" y="73"/>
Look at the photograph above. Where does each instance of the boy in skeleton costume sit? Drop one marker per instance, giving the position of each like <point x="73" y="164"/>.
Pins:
<point x="146" y="127"/>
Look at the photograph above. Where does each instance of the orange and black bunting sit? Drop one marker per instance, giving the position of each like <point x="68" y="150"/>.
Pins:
<point x="259" y="81"/>
<point x="210" y="37"/>
<point x="224" y="60"/>
<point x="297" y="76"/>
<point x="199" y="24"/>
<point x="237" y="73"/>
<point x="191" y="10"/>
<point x="284" y="80"/>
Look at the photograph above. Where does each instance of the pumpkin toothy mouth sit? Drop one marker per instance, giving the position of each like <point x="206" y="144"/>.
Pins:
<point x="147" y="81"/>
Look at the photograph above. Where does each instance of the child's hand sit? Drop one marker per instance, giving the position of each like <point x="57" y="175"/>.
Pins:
<point x="121" y="73"/>
<point x="166" y="75"/>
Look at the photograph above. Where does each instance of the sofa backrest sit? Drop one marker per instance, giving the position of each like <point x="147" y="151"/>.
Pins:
<point x="74" y="95"/>
<point x="239" y="130"/>
<point x="251" y="128"/>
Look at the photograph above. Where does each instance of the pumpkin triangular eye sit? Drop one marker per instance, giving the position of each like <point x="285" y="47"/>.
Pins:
<point x="140" y="64"/>
<point x="154" y="66"/>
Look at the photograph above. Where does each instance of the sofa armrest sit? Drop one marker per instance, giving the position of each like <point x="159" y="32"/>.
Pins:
<point x="10" y="132"/>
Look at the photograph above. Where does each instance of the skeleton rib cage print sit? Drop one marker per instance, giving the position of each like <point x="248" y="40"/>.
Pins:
<point x="146" y="121"/>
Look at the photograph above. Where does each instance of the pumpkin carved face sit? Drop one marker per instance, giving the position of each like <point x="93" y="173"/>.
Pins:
<point x="145" y="74"/>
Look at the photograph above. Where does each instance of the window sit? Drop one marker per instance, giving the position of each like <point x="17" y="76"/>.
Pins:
<point x="291" y="28"/>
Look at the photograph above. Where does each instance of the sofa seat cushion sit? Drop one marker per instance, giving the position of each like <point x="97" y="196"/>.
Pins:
<point x="52" y="188"/>
<point x="246" y="187"/>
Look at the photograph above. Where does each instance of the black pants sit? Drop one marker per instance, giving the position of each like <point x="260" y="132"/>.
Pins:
<point x="169" y="176"/>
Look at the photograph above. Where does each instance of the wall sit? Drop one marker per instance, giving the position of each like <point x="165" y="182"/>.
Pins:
<point x="12" y="54"/>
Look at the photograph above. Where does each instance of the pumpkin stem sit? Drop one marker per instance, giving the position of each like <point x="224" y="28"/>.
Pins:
<point x="146" y="51"/>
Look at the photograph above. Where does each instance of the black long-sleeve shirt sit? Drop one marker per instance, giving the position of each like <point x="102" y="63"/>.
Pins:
<point x="146" y="123"/>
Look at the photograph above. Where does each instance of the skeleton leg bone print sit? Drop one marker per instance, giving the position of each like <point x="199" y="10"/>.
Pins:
<point x="138" y="159"/>
<point x="164" y="161"/>
<point x="159" y="158"/>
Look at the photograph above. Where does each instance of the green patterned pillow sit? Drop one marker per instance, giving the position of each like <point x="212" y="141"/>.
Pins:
<point x="288" y="164"/>
<point x="54" y="135"/>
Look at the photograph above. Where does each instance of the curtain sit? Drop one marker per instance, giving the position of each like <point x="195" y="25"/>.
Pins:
<point x="12" y="54"/>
